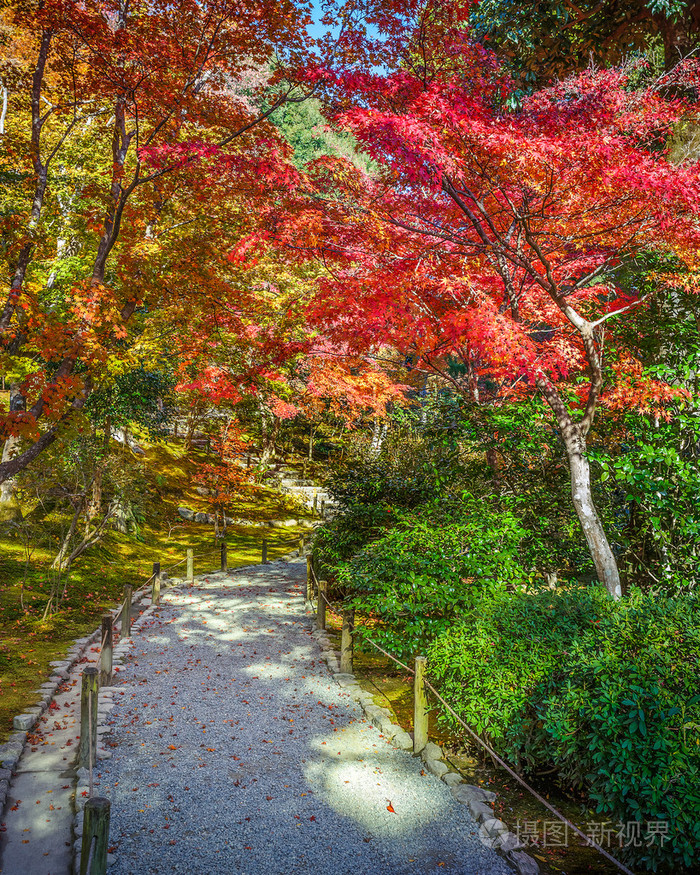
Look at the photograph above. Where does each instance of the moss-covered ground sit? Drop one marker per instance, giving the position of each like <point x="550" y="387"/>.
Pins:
<point x="28" y="643"/>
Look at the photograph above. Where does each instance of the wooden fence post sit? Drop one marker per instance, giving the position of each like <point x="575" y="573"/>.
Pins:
<point x="321" y="607"/>
<point x="346" y="641"/>
<point x="323" y="508"/>
<point x="126" y="611"/>
<point x="155" y="589"/>
<point x="106" y="651"/>
<point x="309" y="579"/>
<point x="301" y="545"/>
<point x="420" y="707"/>
<point x="315" y="501"/>
<point x="190" y="565"/>
<point x="224" y="558"/>
<point x="264" y="551"/>
<point x="88" y="697"/>
<point x="95" y="831"/>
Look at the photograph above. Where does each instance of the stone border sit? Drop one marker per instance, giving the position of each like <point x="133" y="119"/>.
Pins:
<point x="104" y="706"/>
<point x="11" y="751"/>
<point x="493" y="832"/>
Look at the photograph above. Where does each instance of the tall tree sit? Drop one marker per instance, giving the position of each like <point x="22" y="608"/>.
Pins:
<point x="116" y="113"/>
<point x="496" y="237"/>
<point x="545" y="39"/>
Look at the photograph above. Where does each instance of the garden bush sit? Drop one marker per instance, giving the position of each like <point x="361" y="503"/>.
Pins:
<point x="606" y="693"/>
<point x="650" y="490"/>
<point x="424" y="573"/>
<point x="340" y="538"/>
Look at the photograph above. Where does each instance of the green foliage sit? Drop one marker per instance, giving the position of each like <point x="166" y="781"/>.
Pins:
<point x="543" y="40"/>
<point x="529" y="470"/>
<point x="310" y="136"/>
<point x="339" y="539"/>
<point x="604" y="692"/>
<point x="625" y="718"/>
<point x="509" y="458"/>
<point x="366" y="482"/>
<point x="501" y="654"/>
<point x="426" y="572"/>
<point x="133" y="398"/>
<point x="654" y="491"/>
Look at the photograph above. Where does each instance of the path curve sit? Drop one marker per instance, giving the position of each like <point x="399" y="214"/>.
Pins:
<point x="235" y="751"/>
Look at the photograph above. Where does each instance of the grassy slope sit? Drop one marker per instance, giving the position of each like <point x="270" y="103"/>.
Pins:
<point x="27" y="644"/>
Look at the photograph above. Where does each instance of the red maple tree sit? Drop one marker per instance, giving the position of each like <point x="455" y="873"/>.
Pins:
<point x="496" y="236"/>
<point x="123" y="122"/>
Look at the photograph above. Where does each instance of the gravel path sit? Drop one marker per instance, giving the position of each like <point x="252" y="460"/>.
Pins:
<point x="234" y="750"/>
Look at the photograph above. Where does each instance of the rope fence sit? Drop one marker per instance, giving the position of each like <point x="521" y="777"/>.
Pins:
<point x="420" y="716"/>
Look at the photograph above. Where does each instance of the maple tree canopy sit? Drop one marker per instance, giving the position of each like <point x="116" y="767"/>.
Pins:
<point x="134" y="135"/>
<point x="495" y="236"/>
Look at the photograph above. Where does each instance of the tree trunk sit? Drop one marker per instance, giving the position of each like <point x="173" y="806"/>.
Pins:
<point x="600" y="549"/>
<point x="679" y="33"/>
<point x="379" y="430"/>
<point x="95" y="506"/>
<point x="575" y="443"/>
<point x="269" y="428"/>
<point x="8" y="501"/>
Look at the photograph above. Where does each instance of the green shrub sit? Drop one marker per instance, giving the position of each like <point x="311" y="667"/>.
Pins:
<point x="491" y="666"/>
<point x="420" y="576"/>
<point x="652" y="484"/>
<point x="340" y="538"/>
<point x="607" y="693"/>
<point x="625" y="718"/>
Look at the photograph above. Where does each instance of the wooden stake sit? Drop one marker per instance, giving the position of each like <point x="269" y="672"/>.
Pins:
<point x="301" y="545"/>
<point x="155" y="589"/>
<point x="126" y="611"/>
<point x="420" y="707"/>
<point x="346" y="641"/>
<point x="264" y="551"/>
<point x="190" y="565"/>
<point x="224" y="559"/>
<point x="90" y="683"/>
<point x="106" y="651"/>
<point x="95" y="832"/>
<point x="321" y="607"/>
<point x="309" y="579"/>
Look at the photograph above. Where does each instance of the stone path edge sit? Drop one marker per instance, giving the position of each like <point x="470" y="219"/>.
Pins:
<point x="493" y="832"/>
<point x="11" y="750"/>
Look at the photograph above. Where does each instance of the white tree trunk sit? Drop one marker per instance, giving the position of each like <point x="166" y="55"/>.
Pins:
<point x="601" y="552"/>
<point x="8" y="502"/>
<point x="575" y="443"/>
<point x="378" y="437"/>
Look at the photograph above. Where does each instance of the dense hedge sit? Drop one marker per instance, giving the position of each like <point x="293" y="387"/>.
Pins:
<point x="606" y="693"/>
